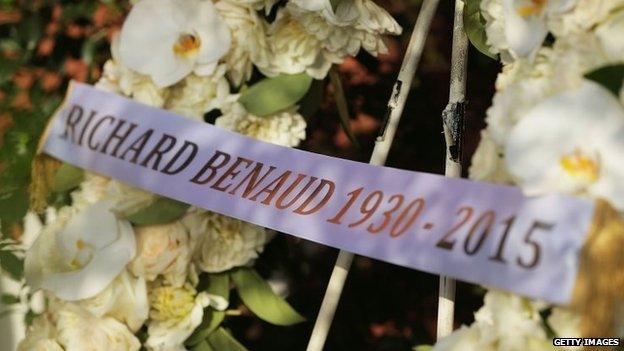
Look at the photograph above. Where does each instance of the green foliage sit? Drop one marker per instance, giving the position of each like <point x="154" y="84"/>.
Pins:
<point x="610" y="77"/>
<point x="272" y="95"/>
<point x="341" y="104"/>
<point x="9" y="299"/>
<point x="222" y="340"/>
<point x="474" y="25"/>
<point x="162" y="210"/>
<point x="11" y="264"/>
<point x="261" y="300"/>
<point x="211" y="321"/>
<point x="67" y="177"/>
<point x="423" y="348"/>
<point x="219" y="284"/>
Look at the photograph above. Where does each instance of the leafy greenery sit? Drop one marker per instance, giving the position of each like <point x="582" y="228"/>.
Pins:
<point x="11" y="264"/>
<point x="67" y="177"/>
<point x="211" y="321"/>
<point x="610" y="77"/>
<point x="474" y="25"/>
<point x="162" y="210"/>
<point x="272" y="95"/>
<point x="261" y="300"/>
<point x="222" y="340"/>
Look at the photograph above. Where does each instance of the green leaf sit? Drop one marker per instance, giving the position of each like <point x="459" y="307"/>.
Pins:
<point x="202" y="346"/>
<point x="12" y="264"/>
<point x="474" y="25"/>
<point x="610" y="77"/>
<point x="222" y="340"/>
<point x="211" y="321"/>
<point x="274" y="94"/>
<point x="9" y="299"/>
<point x="341" y="103"/>
<point x="162" y="210"/>
<point x="423" y="348"/>
<point x="67" y="177"/>
<point x="219" y="284"/>
<point x="261" y="300"/>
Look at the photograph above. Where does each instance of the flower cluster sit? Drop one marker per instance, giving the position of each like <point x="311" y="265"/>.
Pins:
<point x="554" y="126"/>
<point x="114" y="280"/>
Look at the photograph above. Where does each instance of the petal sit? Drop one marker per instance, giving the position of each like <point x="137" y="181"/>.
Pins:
<point x="214" y="34"/>
<point x="524" y="34"/>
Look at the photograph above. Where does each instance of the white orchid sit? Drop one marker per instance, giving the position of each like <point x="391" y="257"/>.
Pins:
<point x="572" y="142"/>
<point x="169" y="39"/>
<point x="81" y="253"/>
<point x="526" y="22"/>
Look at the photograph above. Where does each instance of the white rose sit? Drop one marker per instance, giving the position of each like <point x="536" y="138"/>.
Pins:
<point x="224" y="242"/>
<point x="286" y="128"/>
<point x="162" y="250"/>
<point x="81" y="253"/>
<point x="79" y="330"/>
<point x="196" y="95"/>
<point x="176" y="312"/>
<point x="41" y="336"/>
<point x="125" y="299"/>
<point x="249" y="40"/>
<point x="169" y="39"/>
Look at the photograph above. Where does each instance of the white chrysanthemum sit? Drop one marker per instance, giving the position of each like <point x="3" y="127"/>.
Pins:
<point x="127" y="199"/>
<point x="162" y="250"/>
<point x="583" y="17"/>
<point x="169" y="39"/>
<point x="93" y="188"/>
<point x="223" y="242"/>
<point x="81" y="253"/>
<point x="249" y="40"/>
<point x="611" y="36"/>
<point x="176" y="312"/>
<point x="257" y="5"/>
<point x="355" y="24"/>
<point x="41" y="336"/>
<point x="125" y="299"/>
<point x="492" y="11"/>
<point x="294" y="50"/>
<point x="565" y="323"/>
<point x="196" y="95"/>
<point x="79" y="330"/>
<point x="119" y="79"/>
<point x="573" y="143"/>
<point x="487" y="162"/>
<point x="286" y="128"/>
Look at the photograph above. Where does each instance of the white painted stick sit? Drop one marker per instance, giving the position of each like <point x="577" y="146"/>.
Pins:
<point x="380" y="153"/>
<point x="453" y="130"/>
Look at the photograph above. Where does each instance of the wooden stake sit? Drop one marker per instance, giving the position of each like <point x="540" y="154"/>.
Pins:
<point x="453" y="121"/>
<point x="380" y="153"/>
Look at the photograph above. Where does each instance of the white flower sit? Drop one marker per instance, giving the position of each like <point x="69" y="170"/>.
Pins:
<point x="224" y="242"/>
<point x="92" y="189"/>
<point x="286" y="128"/>
<point x="611" y="36"/>
<point x="169" y="39"/>
<point x="41" y="336"/>
<point x="79" y="254"/>
<point x="176" y="312"/>
<point x="354" y="24"/>
<point x="565" y="323"/>
<point x="196" y="95"/>
<point x="509" y="321"/>
<point x="256" y="4"/>
<point x="119" y="79"/>
<point x="572" y="142"/>
<point x="487" y="162"/>
<point x="79" y="330"/>
<point x="249" y="40"/>
<point x="294" y="50"/>
<point x="125" y="299"/>
<point x="517" y="28"/>
<point x="583" y="17"/>
<point x="162" y="250"/>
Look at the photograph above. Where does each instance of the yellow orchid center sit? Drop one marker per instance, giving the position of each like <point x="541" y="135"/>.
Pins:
<point x="171" y="303"/>
<point x="83" y="255"/>
<point x="531" y="8"/>
<point x="580" y="166"/>
<point x="187" y="45"/>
